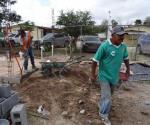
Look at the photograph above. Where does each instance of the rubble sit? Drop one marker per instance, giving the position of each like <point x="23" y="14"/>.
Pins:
<point x="82" y="111"/>
<point x="64" y="113"/>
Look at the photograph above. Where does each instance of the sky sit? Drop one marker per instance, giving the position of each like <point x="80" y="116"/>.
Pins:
<point x="123" y="11"/>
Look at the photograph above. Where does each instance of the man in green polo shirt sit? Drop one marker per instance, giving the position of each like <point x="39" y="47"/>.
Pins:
<point x="109" y="58"/>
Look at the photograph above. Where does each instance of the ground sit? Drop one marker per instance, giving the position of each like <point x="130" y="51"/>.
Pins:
<point x="72" y="100"/>
<point x="64" y="98"/>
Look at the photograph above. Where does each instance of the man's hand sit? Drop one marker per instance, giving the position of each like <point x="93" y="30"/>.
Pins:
<point x="93" y="70"/>
<point x="128" y="73"/>
<point x="23" y="49"/>
<point x="128" y="67"/>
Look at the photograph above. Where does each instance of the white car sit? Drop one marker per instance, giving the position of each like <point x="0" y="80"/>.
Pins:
<point x="14" y="38"/>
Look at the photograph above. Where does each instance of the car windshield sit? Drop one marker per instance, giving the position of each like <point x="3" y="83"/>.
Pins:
<point x="47" y="36"/>
<point x="91" y="38"/>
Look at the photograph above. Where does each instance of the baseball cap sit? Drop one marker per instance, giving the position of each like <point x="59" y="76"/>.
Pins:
<point x="118" y="30"/>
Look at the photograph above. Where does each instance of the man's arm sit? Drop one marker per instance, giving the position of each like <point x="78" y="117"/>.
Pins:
<point x="126" y="61"/>
<point x="93" y="71"/>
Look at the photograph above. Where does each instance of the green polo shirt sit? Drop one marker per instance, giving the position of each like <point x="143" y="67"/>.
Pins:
<point x="110" y="57"/>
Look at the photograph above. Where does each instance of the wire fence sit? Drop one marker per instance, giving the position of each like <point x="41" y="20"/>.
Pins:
<point x="134" y="32"/>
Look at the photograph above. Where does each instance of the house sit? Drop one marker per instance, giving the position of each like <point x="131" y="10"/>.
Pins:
<point x="134" y="32"/>
<point x="37" y="32"/>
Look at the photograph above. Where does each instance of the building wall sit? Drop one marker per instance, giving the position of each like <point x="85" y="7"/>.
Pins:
<point x="131" y="39"/>
<point x="130" y="42"/>
<point x="134" y="33"/>
<point x="139" y="28"/>
<point x="37" y="32"/>
<point x="15" y="28"/>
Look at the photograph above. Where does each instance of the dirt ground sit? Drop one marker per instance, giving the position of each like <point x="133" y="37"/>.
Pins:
<point x="66" y="98"/>
<point x="72" y="100"/>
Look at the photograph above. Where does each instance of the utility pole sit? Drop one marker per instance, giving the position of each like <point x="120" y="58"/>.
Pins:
<point x="109" y="25"/>
<point x="81" y="30"/>
<point x="53" y="31"/>
<point x="53" y="20"/>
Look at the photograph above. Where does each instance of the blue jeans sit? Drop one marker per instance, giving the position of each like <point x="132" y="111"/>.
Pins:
<point x="105" y="100"/>
<point x="28" y="54"/>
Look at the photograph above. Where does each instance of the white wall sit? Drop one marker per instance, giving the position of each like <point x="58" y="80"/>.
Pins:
<point x="37" y="33"/>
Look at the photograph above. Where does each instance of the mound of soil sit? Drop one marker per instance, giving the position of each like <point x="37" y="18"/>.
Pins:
<point x="74" y="95"/>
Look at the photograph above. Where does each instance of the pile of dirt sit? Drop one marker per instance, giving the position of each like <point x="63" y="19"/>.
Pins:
<point x="73" y="99"/>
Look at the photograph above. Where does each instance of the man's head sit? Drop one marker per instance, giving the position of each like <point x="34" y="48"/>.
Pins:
<point x="22" y="31"/>
<point x="118" y="35"/>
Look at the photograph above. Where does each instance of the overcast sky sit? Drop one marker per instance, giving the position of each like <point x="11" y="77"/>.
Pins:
<point x="123" y="11"/>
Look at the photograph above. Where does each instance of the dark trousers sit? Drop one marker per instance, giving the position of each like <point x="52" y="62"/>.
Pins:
<point x="28" y="54"/>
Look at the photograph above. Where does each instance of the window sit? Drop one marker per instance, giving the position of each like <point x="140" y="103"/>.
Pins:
<point x="58" y="35"/>
<point x="92" y="38"/>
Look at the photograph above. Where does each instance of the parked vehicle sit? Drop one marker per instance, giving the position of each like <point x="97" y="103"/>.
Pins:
<point x="143" y="46"/>
<point x="90" y="43"/>
<point x="56" y="39"/>
<point x="14" y="38"/>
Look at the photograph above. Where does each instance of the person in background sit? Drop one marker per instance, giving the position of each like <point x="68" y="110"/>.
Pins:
<point x="26" y="47"/>
<point x="109" y="58"/>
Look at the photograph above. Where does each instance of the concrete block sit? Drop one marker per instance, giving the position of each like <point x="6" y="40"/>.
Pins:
<point x="1" y="100"/>
<point x="5" y="90"/>
<point x="18" y="115"/>
<point x="7" y="104"/>
<point x="4" y="122"/>
<point x="4" y="79"/>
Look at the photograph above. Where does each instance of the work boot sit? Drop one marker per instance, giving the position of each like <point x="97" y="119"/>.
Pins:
<point x="106" y="121"/>
<point x="26" y="71"/>
<point x="34" y="67"/>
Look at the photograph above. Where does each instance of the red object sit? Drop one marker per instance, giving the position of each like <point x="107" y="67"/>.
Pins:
<point x="123" y="76"/>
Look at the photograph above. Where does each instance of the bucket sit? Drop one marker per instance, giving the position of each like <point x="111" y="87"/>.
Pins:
<point x="4" y="122"/>
<point x="123" y="76"/>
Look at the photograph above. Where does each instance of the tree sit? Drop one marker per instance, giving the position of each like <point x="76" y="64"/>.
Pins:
<point x="28" y="26"/>
<point x="114" y="23"/>
<point x="104" y="26"/>
<point x="138" y="22"/>
<point x="147" y="21"/>
<point x="76" y="23"/>
<point x="5" y="12"/>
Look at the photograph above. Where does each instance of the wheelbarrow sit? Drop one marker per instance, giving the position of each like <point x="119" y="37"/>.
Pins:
<point x="54" y="68"/>
<point x="50" y="68"/>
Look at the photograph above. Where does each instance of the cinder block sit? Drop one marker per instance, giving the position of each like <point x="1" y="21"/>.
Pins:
<point x="4" y="122"/>
<point x="16" y="80"/>
<point x="5" y="90"/>
<point x="18" y="115"/>
<point x="1" y="100"/>
<point x="7" y="104"/>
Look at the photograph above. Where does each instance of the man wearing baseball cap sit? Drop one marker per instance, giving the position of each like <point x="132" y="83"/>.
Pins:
<point x="109" y="58"/>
